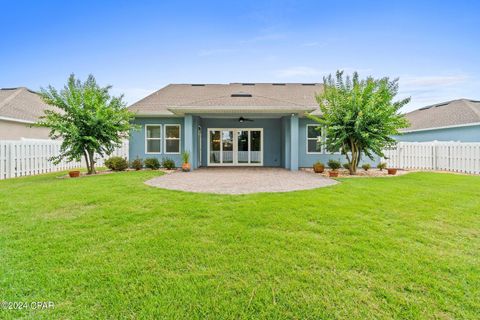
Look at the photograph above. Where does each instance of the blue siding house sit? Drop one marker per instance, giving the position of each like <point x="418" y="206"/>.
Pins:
<point x="236" y="124"/>
<point x="457" y="120"/>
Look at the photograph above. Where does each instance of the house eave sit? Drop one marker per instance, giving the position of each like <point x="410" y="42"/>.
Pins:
<point x="16" y="120"/>
<point x="472" y="124"/>
<point x="178" y="110"/>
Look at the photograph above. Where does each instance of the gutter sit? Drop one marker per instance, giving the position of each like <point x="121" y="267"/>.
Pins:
<point x="16" y="120"/>
<point x="444" y="127"/>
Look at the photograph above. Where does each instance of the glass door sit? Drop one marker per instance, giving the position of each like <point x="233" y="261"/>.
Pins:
<point x="235" y="147"/>
<point x="256" y="147"/>
<point x="227" y="147"/>
<point x="243" y="146"/>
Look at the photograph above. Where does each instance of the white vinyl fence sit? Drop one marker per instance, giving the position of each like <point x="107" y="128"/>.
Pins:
<point x="31" y="157"/>
<point x="436" y="155"/>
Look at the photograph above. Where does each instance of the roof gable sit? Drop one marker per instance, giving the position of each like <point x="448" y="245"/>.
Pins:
<point x="21" y="104"/>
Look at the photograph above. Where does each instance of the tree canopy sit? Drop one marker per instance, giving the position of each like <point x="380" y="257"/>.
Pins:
<point x="360" y="116"/>
<point x="87" y="119"/>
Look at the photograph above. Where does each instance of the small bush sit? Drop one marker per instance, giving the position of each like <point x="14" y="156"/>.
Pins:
<point x="382" y="165"/>
<point x="185" y="157"/>
<point x="152" y="163"/>
<point x="346" y="166"/>
<point x="366" y="166"/>
<point x="168" y="163"/>
<point x="116" y="163"/>
<point x="333" y="164"/>
<point x="137" y="164"/>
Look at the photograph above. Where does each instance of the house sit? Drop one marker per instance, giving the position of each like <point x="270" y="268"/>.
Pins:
<point x="236" y="124"/>
<point x="19" y="109"/>
<point x="456" y="120"/>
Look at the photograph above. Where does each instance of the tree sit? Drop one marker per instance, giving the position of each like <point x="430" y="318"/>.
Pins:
<point x="360" y="116"/>
<point x="87" y="119"/>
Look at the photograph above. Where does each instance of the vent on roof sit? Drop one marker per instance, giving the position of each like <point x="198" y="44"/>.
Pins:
<point x="241" y="95"/>
<point x="278" y="84"/>
<point x="442" y="104"/>
<point x="425" y="108"/>
<point x="248" y="84"/>
<point x="198" y="85"/>
<point x="308" y="84"/>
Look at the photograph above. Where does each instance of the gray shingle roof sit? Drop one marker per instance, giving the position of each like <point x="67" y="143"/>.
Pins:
<point x="217" y="97"/>
<point x="451" y="113"/>
<point x="21" y="103"/>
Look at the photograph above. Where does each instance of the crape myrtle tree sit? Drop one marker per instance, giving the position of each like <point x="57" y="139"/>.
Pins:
<point x="360" y="116"/>
<point x="87" y="119"/>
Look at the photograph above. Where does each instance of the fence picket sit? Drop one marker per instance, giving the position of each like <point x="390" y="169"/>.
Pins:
<point x="31" y="157"/>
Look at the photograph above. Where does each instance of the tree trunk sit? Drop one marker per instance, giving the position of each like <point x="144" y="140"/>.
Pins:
<point x="91" y="168"/>
<point x="87" y="160"/>
<point x="354" y="160"/>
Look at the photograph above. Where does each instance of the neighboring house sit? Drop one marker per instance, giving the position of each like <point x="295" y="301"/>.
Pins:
<point x="19" y="109"/>
<point x="456" y="120"/>
<point x="236" y="124"/>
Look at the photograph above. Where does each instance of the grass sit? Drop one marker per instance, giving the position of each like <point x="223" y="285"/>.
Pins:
<point x="111" y="247"/>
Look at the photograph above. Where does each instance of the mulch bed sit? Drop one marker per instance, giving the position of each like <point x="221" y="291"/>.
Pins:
<point x="343" y="173"/>
<point x="101" y="172"/>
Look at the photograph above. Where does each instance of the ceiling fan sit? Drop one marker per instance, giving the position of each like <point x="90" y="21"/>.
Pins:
<point x="242" y="119"/>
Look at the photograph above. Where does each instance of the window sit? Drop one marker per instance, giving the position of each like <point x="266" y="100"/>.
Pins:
<point x="153" y="138"/>
<point x="172" y="138"/>
<point x="314" y="138"/>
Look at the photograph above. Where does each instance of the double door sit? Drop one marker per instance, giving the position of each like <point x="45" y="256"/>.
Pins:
<point x="235" y="146"/>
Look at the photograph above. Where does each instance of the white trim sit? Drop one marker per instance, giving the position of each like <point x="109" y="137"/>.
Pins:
<point x="444" y="127"/>
<point x="146" y="139"/>
<point x="235" y="147"/>
<point x="199" y="146"/>
<point x="16" y="120"/>
<point x="165" y="137"/>
<point x="322" y="135"/>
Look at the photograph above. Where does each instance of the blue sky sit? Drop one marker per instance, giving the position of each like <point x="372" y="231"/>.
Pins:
<point x="140" y="46"/>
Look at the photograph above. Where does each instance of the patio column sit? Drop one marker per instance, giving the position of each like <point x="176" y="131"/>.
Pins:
<point x="188" y="138"/>
<point x="294" y="142"/>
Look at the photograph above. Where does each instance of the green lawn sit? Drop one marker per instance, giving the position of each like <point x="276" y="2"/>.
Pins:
<point x="111" y="247"/>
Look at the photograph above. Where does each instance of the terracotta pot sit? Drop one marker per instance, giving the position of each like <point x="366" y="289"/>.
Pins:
<point x="333" y="174"/>
<point x="74" y="174"/>
<point x="318" y="168"/>
<point x="186" y="167"/>
<point x="392" y="171"/>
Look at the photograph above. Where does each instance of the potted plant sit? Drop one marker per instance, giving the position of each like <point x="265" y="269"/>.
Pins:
<point x="392" y="171"/>
<point x="74" y="174"/>
<point x="186" y="165"/>
<point x="334" y="165"/>
<point x="318" y="167"/>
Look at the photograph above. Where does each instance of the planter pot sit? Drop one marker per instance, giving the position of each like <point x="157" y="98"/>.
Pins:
<point x="333" y="174"/>
<point x="318" y="168"/>
<point x="74" y="174"/>
<point x="186" y="167"/>
<point x="392" y="171"/>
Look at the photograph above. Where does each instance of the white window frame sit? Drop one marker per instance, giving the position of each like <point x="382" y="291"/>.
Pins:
<point x="146" y="137"/>
<point x="165" y="137"/>
<point x="322" y="133"/>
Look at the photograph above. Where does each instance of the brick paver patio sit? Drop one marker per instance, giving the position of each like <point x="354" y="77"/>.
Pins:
<point x="236" y="180"/>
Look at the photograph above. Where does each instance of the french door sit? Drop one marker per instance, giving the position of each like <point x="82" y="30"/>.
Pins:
<point x="231" y="146"/>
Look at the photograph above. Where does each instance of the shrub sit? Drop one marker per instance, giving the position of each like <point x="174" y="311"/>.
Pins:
<point x="382" y="165"/>
<point x="318" y="167"/>
<point x="346" y="166"/>
<point x="333" y="164"/>
<point x="116" y="163"/>
<point x="152" y="163"/>
<point x="168" y="163"/>
<point x="137" y="164"/>
<point x="366" y="166"/>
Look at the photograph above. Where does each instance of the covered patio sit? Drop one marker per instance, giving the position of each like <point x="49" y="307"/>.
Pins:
<point x="240" y="180"/>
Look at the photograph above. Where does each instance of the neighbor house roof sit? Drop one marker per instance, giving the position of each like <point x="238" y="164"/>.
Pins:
<point x="233" y="97"/>
<point x="21" y="104"/>
<point x="447" y="114"/>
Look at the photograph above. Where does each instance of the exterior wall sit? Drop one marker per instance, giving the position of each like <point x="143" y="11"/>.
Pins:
<point x="307" y="160"/>
<point x="137" y="139"/>
<point x="272" y="139"/>
<point x="10" y="130"/>
<point x="463" y="134"/>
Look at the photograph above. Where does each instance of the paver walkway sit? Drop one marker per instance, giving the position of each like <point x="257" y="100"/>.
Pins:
<point x="236" y="180"/>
